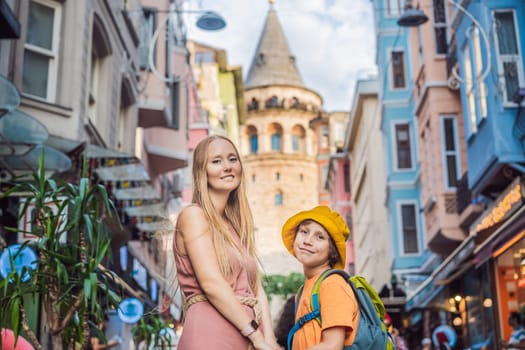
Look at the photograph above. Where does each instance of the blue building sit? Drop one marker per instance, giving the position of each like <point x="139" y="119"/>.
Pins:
<point x="412" y="261"/>
<point x="490" y="44"/>
<point x="484" y="62"/>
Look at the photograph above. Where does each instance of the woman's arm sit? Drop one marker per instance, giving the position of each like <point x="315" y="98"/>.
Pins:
<point x="198" y="243"/>
<point x="262" y="298"/>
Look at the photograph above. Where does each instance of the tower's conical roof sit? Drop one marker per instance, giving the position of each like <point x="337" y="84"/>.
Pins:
<point x="273" y="63"/>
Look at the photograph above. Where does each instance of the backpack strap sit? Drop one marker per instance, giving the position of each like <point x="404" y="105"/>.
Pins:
<point x="314" y="303"/>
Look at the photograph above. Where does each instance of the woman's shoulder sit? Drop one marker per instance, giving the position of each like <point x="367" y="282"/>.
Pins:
<point x="190" y="212"/>
<point x="191" y="216"/>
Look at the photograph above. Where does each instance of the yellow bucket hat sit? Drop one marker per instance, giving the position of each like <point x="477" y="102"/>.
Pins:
<point x="329" y="219"/>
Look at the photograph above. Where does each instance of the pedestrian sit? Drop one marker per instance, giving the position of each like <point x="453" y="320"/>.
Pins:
<point x="317" y="239"/>
<point x="517" y="337"/>
<point x="442" y="340"/>
<point x="285" y="322"/>
<point x="95" y="341"/>
<point x="214" y="247"/>
<point x="426" y="344"/>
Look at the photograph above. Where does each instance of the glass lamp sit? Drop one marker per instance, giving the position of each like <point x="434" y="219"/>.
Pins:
<point x="19" y="133"/>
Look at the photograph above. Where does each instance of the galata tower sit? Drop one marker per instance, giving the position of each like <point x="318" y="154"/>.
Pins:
<point x="277" y="145"/>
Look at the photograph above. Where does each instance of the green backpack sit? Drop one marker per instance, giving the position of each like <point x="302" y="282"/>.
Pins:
<point x="371" y="332"/>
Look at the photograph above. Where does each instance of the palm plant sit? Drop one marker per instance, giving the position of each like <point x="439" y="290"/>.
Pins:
<point x="69" y="281"/>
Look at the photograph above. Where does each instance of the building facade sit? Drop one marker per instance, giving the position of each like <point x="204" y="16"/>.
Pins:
<point x="412" y="261"/>
<point x="81" y="74"/>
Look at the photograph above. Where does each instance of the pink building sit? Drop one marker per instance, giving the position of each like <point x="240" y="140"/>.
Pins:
<point x="338" y="185"/>
<point x="440" y="131"/>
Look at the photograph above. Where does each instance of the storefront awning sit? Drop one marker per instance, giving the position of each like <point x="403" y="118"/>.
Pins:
<point x="443" y="274"/>
<point x="128" y="182"/>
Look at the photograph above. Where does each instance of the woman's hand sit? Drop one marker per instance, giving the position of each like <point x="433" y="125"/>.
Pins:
<point x="260" y="343"/>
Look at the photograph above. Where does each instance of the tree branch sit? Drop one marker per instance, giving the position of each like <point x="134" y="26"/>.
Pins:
<point x="27" y="329"/>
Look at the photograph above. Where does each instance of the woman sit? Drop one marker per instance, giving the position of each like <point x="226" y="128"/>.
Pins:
<point x="215" y="257"/>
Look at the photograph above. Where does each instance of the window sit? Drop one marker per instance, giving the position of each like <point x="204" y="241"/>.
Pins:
<point x="409" y="229"/>
<point x="175" y="100"/>
<point x="346" y="170"/>
<point x="204" y="57"/>
<point x="403" y="146"/>
<point x="398" y="69"/>
<point x="440" y="26"/>
<point x="298" y="139"/>
<point x="146" y="30"/>
<point x="41" y="49"/>
<point x="275" y="131"/>
<point x="277" y="176"/>
<point x="509" y="56"/>
<point x="450" y="151"/>
<point x="253" y="139"/>
<point x="348" y="219"/>
<point x="325" y="138"/>
<point x="394" y="7"/>
<point x="254" y="143"/>
<point x="279" y="198"/>
<point x="475" y="89"/>
<point x="295" y="143"/>
<point x="276" y="142"/>
<point x="469" y="91"/>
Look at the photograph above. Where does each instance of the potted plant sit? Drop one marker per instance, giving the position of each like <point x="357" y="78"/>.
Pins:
<point x="69" y="282"/>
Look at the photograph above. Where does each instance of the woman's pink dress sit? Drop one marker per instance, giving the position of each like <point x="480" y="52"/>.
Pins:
<point x="8" y="341"/>
<point x="204" y="327"/>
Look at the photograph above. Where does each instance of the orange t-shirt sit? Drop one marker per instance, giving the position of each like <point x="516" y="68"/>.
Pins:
<point x="338" y="308"/>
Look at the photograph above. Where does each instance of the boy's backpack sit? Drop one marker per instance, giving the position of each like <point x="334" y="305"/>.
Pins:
<point x="371" y="332"/>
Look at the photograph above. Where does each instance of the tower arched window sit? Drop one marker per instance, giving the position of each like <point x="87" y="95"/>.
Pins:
<point x="275" y="131"/>
<point x="276" y="142"/>
<point x="298" y="139"/>
<point x="253" y="138"/>
<point x="254" y="143"/>
<point x="279" y="198"/>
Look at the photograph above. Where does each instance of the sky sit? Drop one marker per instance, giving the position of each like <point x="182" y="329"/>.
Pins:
<point x="333" y="40"/>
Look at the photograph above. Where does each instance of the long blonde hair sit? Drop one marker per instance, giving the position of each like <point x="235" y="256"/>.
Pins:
<point x="237" y="210"/>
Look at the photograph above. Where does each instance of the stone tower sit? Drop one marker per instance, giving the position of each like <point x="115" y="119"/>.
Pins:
<point x="278" y="147"/>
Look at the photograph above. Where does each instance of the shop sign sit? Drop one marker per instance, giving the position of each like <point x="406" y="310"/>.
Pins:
<point x="130" y="310"/>
<point x="504" y="206"/>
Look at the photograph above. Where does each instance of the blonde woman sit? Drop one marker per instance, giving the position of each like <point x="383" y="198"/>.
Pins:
<point x="216" y="260"/>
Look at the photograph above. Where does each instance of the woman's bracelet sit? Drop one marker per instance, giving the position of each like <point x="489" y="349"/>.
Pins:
<point x="251" y="328"/>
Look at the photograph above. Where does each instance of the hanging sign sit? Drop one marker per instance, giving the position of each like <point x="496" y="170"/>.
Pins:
<point x="130" y="310"/>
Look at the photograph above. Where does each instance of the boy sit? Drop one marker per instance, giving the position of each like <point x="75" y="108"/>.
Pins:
<point x="317" y="239"/>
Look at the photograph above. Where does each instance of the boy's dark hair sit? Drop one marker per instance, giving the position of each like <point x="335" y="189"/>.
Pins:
<point x="286" y="321"/>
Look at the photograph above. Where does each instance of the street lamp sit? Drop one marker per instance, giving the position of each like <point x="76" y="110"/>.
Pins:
<point x="413" y="17"/>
